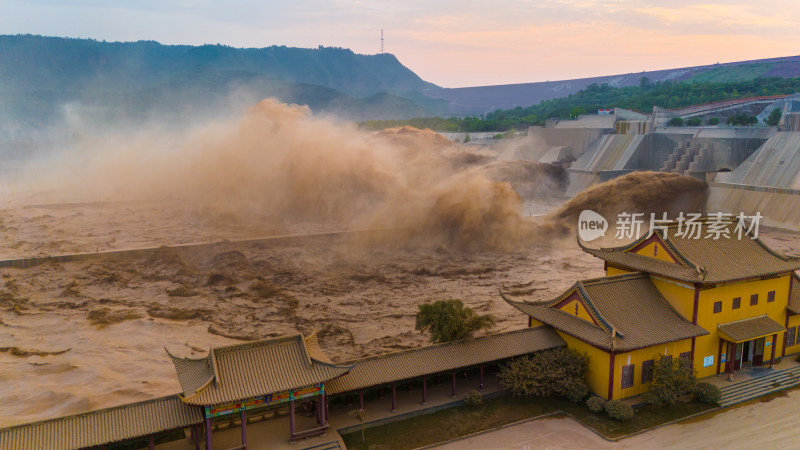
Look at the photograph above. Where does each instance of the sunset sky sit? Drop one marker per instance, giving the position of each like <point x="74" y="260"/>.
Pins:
<point x="450" y="43"/>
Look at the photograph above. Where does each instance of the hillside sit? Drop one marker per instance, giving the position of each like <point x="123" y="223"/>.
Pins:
<point x="485" y="99"/>
<point x="42" y="79"/>
<point x="587" y="101"/>
<point x="51" y="63"/>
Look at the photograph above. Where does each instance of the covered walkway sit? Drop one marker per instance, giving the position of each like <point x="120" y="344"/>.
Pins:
<point x="242" y="392"/>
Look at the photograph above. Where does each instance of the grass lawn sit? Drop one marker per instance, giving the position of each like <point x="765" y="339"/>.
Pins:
<point x="454" y="422"/>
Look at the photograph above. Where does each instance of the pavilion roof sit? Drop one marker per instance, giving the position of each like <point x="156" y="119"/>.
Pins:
<point x="749" y="329"/>
<point x="628" y="313"/>
<point x="703" y="260"/>
<point x="242" y="371"/>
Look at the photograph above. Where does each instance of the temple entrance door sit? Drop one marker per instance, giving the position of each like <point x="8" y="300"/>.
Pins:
<point x="758" y="352"/>
<point x="737" y="360"/>
<point x="747" y="353"/>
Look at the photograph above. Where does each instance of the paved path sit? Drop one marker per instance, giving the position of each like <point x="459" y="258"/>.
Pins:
<point x="751" y="425"/>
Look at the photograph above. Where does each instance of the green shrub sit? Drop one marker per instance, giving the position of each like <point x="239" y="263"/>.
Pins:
<point x="694" y="121"/>
<point x="708" y="393"/>
<point x="672" y="377"/>
<point x="618" y="410"/>
<point x="713" y="121"/>
<point x="596" y="404"/>
<point x="546" y="373"/>
<point x="473" y="398"/>
<point x="675" y="122"/>
<point x="576" y="392"/>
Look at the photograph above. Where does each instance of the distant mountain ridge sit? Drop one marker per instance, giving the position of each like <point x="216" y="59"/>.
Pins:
<point x="44" y="79"/>
<point x="480" y="100"/>
<point x="38" y="62"/>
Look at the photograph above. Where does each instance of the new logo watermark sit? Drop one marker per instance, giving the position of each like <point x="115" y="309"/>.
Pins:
<point x="591" y="225"/>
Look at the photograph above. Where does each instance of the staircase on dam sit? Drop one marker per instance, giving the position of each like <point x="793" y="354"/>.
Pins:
<point x="765" y="381"/>
<point x="688" y="158"/>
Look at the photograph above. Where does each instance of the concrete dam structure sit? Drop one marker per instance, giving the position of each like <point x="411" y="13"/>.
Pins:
<point x="748" y="169"/>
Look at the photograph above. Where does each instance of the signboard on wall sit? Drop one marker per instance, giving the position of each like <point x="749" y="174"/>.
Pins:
<point x="267" y="400"/>
<point x="708" y="361"/>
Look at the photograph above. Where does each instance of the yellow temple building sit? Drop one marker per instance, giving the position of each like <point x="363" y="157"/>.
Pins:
<point x="721" y="304"/>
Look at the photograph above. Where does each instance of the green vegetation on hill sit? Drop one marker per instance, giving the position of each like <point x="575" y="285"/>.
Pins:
<point x="638" y="98"/>
<point x="724" y="74"/>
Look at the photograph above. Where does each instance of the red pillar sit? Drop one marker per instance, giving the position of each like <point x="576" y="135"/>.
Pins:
<point x="326" y="413"/>
<point x="785" y="334"/>
<point x="424" y="390"/>
<point x="774" y="343"/>
<point x="394" y="396"/>
<point x="611" y="377"/>
<point x="323" y="411"/>
<point x="318" y="407"/>
<point x="480" y="386"/>
<point x="291" y="420"/>
<point x="244" y="428"/>
<point x="208" y="433"/>
<point x="453" y="386"/>
<point x="151" y="442"/>
<point x="360" y="399"/>
<point x="196" y="433"/>
<point x="731" y="360"/>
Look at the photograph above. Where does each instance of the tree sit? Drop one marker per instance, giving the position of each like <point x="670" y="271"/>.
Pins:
<point x="672" y="377"/>
<point x="558" y="371"/>
<point x="467" y="138"/>
<point x="450" y="320"/>
<point x="774" y="117"/>
<point x="576" y="111"/>
<point x="360" y="415"/>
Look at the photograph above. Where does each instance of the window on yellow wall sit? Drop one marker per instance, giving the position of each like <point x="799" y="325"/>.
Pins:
<point x="737" y="302"/>
<point x="790" y="334"/>
<point x="717" y="307"/>
<point x="627" y="376"/>
<point x="770" y="296"/>
<point x="647" y="371"/>
<point x="754" y="300"/>
<point x="686" y="356"/>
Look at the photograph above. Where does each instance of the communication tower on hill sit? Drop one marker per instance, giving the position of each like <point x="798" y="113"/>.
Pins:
<point x="381" y="40"/>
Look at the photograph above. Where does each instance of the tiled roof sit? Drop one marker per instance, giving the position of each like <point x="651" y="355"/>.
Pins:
<point x="794" y="295"/>
<point x="193" y="374"/>
<point x="704" y="260"/>
<point x="243" y="371"/>
<point x="628" y="305"/>
<point x="747" y="329"/>
<point x="102" y="426"/>
<point x="407" y="364"/>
